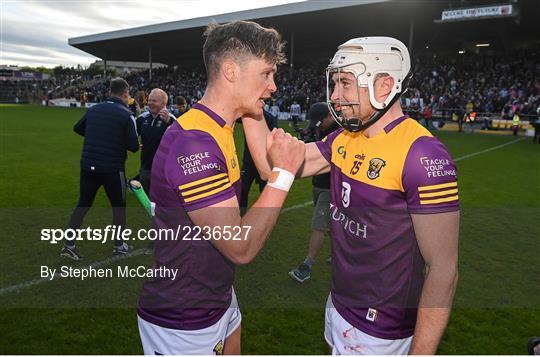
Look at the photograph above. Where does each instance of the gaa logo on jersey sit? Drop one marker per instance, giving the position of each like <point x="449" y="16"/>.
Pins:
<point x="375" y="167"/>
<point x="342" y="152"/>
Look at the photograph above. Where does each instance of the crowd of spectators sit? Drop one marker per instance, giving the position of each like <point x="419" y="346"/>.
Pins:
<point x="15" y="90"/>
<point x="501" y="84"/>
<point x="497" y="84"/>
<point x="23" y="91"/>
<point x="307" y="86"/>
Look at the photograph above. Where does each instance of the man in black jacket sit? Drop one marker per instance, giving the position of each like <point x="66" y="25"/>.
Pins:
<point x="109" y="130"/>
<point x="151" y="126"/>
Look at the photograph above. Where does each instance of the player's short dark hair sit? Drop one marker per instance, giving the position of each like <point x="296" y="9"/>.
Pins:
<point x="118" y="86"/>
<point x="237" y="40"/>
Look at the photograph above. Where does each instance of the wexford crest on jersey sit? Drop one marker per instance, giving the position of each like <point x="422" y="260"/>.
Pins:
<point x="375" y="167"/>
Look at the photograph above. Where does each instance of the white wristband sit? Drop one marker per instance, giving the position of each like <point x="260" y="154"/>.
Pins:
<point x="281" y="179"/>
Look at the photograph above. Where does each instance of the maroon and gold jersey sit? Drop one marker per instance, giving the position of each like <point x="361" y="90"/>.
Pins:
<point x="376" y="184"/>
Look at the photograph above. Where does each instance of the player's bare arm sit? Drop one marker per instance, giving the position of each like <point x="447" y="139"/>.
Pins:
<point x="314" y="163"/>
<point x="256" y="132"/>
<point x="259" y="139"/>
<point x="287" y="153"/>
<point x="437" y="236"/>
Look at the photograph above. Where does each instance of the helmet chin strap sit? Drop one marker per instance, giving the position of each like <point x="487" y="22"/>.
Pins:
<point x="355" y="124"/>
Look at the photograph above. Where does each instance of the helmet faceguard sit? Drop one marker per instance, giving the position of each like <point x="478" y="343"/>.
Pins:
<point x="365" y="58"/>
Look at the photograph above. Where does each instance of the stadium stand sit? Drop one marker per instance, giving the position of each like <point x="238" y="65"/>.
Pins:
<point x="23" y="91"/>
<point x="498" y="85"/>
<point x="495" y="83"/>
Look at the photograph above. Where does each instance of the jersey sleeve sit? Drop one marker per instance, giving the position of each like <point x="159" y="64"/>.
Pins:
<point x="197" y="171"/>
<point x="132" y="138"/>
<point x="430" y="178"/>
<point x="139" y="123"/>
<point x="80" y="126"/>
<point x="325" y="145"/>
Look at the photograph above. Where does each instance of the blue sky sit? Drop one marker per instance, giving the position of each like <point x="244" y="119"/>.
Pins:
<point x="35" y="33"/>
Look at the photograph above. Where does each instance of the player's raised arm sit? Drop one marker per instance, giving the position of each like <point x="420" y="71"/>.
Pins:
<point x="259" y="139"/>
<point x="287" y="154"/>
<point x="315" y="163"/>
<point x="256" y="132"/>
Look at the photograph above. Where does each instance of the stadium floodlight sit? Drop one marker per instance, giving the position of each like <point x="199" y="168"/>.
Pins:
<point x="482" y="45"/>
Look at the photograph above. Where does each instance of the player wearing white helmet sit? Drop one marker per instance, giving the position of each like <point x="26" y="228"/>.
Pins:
<point x="367" y="59"/>
<point x="394" y="208"/>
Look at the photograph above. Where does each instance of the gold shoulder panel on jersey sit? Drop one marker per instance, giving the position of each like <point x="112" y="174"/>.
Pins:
<point x="196" y="119"/>
<point x="371" y="160"/>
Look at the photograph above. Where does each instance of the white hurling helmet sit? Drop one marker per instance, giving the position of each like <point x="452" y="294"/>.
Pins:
<point x="365" y="57"/>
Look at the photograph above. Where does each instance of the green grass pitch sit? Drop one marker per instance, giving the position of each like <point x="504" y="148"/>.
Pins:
<point x="497" y="304"/>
